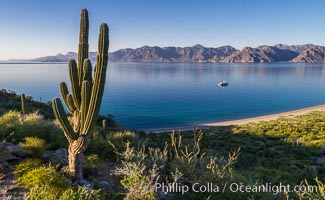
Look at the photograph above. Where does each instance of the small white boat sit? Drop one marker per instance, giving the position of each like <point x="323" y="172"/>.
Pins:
<point x="223" y="84"/>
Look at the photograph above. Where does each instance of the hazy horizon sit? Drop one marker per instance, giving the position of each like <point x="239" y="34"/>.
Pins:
<point x="38" y="28"/>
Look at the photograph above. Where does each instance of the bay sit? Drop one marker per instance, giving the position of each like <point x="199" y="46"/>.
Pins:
<point x="165" y="95"/>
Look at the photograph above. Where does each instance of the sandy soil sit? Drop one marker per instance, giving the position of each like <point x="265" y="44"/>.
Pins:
<point x="268" y="117"/>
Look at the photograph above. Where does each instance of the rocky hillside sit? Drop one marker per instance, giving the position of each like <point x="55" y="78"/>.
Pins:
<point x="296" y="48"/>
<point x="261" y="54"/>
<point x="314" y="54"/>
<point x="197" y="53"/>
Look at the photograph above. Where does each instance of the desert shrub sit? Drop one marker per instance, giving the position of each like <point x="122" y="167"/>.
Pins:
<point x="44" y="182"/>
<point x="199" y="166"/>
<point x="311" y="192"/>
<point x="105" y="144"/>
<point x="8" y="124"/>
<point x="35" y="146"/>
<point x="91" y="161"/>
<point x="14" y="127"/>
<point x="90" y="165"/>
<point x="139" y="179"/>
<point x="120" y="138"/>
<point x="81" y="193"/>
<point x="99" y="146"/>
<point x="34" y="125"/>
<point x="26" y="166"/>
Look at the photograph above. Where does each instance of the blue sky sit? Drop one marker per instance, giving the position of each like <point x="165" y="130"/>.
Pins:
<point x="36" y="28"/>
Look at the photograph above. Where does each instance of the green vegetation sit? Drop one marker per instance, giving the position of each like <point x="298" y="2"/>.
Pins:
<point x="46" y="182"/>
<point x="15" y="127"/>
<point x="286" y="150"/>
<point x="35" y="146"/>
<point x="84" y="101"/>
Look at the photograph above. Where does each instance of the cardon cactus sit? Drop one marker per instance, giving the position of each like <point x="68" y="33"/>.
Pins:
<point x="83" y="103"/>
<point x="24" y="109"/>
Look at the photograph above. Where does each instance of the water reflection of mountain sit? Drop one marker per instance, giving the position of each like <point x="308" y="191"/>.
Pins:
<point x="201" y="70"/>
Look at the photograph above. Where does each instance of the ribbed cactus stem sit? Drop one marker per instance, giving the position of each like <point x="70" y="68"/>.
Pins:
<point x="24" y="109"/>
<point x="74" y="79"/>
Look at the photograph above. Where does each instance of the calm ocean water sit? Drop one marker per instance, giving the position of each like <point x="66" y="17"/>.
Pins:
<point x="163" y="95"/>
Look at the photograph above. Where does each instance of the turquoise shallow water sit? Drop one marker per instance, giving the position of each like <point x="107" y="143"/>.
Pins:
<point x="163" y="95"/>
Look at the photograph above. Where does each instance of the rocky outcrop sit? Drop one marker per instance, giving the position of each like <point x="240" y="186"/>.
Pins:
<point x="261" y="54"/>
<point x="314" y="54"/>
<point x="57" y="157"/>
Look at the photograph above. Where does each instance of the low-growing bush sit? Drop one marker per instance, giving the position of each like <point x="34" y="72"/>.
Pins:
<point x="309" y="191"/>
<point x="8" y="124"/>
<point x="90" y="163"/>
<point x="139" y="179"/>
<point x="15" y="127"/>
<point x="81" y="193"/>
<point x="27" y="165"/>
<point x="46" y="182"/>
<point x="35" y="146"/>
<point x="45" y="178"/>
<point x="105" y="144"/>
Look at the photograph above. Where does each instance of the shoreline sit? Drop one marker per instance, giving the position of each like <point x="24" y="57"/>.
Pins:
<point x="292" y="113"/>
<point x="243" y="121"/>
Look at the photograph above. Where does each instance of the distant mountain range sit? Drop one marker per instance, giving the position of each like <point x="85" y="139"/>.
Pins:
<point x="261" y="54"/>
<point x="199" y="53"/>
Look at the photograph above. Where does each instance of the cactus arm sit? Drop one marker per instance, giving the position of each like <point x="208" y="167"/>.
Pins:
<point x="70" y="104"/>
<point x="83" y="42"/>
<point x="73" y="74"/>
<point x="61" y="116"/>
<point x="99" y="79"/>
<point x="64" y="93"/>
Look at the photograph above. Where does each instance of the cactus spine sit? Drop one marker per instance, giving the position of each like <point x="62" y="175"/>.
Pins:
<point x="24" y="109"/>
<point x="83" y="103"/>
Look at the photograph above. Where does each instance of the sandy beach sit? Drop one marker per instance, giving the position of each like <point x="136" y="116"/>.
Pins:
<point x="268" y="117"/>
<point x="242" y="121"/>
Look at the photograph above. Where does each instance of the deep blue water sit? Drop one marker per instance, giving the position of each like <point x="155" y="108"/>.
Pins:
<point x="162" y="95"/>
